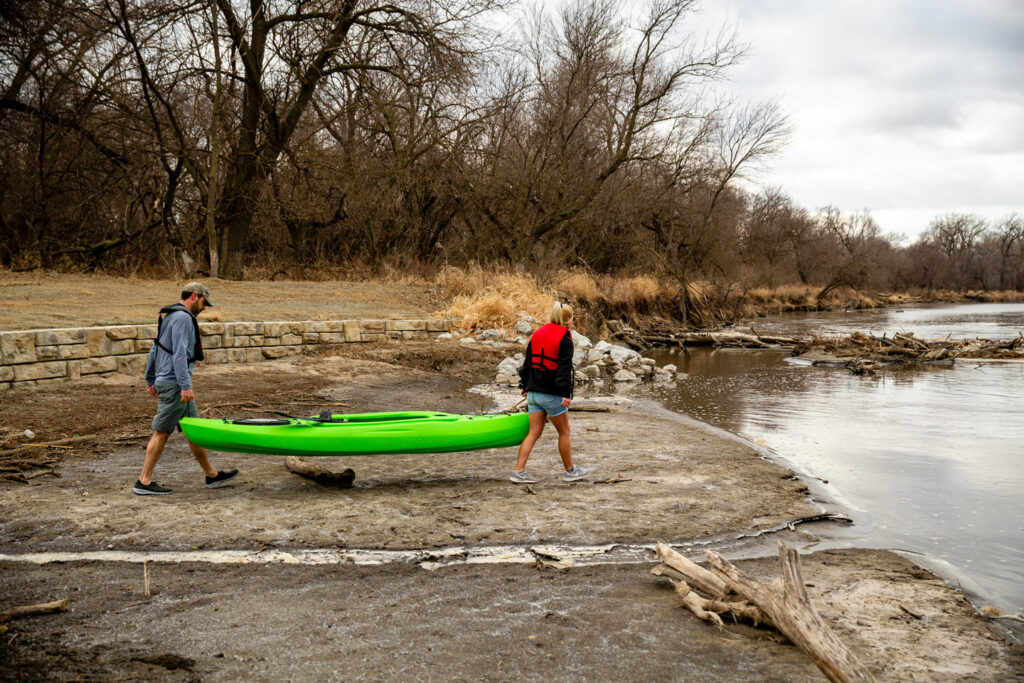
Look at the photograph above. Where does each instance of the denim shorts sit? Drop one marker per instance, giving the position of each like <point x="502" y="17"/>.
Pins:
<point x="547" y="403"/>
<point x="171" y="408"/>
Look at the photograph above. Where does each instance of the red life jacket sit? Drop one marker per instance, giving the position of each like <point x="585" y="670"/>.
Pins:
<point x="544" y="346"/>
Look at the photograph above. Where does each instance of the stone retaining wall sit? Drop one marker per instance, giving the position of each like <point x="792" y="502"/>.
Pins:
<point x="30" y="357"/>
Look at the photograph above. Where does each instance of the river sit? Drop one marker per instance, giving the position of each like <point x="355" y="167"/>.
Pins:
<point x="928" y="461"/>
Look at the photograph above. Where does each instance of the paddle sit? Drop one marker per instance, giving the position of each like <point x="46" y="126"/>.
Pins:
<point x="325" y="416"/>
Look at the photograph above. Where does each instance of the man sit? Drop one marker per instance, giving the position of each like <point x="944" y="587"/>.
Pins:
<point x="176" y="350"/>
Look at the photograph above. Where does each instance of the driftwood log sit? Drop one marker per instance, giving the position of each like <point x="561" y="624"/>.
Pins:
<point x="783" y="604"/>
<point x="27" y="610"/>
<point x="791" y="611"/>
<point x="719" y="339"/>
<point x="687" y="576"/>
<point x="341" y="480"/>
<point x="865" y="353"/>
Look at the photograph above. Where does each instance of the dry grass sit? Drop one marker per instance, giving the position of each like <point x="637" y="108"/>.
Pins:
<point x="480" y="298"/>
<point x="580" y="286"/>
<point x="1005" y="296"/>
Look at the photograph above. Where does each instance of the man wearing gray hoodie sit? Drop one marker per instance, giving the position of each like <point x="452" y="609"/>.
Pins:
<point x="175" y="352"/>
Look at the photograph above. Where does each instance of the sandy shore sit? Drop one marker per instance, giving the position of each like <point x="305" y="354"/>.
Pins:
<point x="411" y="616"/>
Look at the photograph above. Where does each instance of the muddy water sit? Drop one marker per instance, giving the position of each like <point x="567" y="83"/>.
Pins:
<point x="930" y="460"/>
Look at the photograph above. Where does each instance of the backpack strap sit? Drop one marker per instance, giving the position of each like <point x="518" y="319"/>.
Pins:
<point x="197" y="348"/>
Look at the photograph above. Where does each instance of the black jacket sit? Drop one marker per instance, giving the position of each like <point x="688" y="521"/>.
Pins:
<point x="534" y="376"/>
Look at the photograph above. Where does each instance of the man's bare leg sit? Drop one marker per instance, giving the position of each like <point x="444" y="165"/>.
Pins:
<point x="154" y="449"/>
<point x="202" y="457"/>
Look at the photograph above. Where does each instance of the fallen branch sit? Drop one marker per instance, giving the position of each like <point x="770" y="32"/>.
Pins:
<point x="341" y="480"/>
<point x="700" y="578"/>
<point x="39" y="474"/>
<point x="60" y="442"/>
<point x="584" y="407"/>
<point x="27" y="610"/>
<point x="791" y="611"/>
<point x="696" y="604"/>
<point x="709" y="609"/>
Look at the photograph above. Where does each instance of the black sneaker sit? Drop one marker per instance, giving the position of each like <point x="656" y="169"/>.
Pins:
<point x="221" y="478"/>
<point x="150" y="489"/>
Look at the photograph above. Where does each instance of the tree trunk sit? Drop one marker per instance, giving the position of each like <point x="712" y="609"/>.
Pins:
<point x="212" y="238"/>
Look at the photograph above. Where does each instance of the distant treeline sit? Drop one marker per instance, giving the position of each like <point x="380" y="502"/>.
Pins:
<point x="225" y="136"/>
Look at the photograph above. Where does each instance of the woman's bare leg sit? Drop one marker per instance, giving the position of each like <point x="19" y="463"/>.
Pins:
<point x="564" y="441"/>
<point x="537" y="420"/>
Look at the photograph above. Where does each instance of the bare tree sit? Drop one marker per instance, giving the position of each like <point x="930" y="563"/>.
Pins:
<point x="860" y="247"/>
<point x="600" y="98"/>
<point x="956" y="236"/>
<point x="1008" y="236"/>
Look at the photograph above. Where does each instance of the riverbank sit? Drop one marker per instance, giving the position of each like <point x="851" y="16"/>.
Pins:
<point x="473" y="298"/>
<point x="657" y="479"/>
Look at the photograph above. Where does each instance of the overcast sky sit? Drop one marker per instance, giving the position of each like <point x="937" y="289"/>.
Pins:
<point x="907" y="108"/>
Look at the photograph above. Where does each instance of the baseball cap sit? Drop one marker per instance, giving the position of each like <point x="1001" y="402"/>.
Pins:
<point x="199" y="289"/>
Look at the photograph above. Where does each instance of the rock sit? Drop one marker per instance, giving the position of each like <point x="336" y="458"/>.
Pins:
<point x="648" y="362"/>
<point x="519" y="358"/>
<point x="603" y="346"/>
<point x="527" y="318"/>
<point x="669" y="368"/>
<point x="624" y="376"/>
<point x="590" y="371"/>
<point x="524" y="328"/>
<point x="579" y="341"/>
<point x="578" y="356"/>
<point x="621" y="354"/>
<point x="489" y="335"/>
<point x="508" y="367"/>
<point x="510" y="380"/>
<point x="29" y="434"/>
<point x="444" y="335"/>
<point x="595" y="354"/>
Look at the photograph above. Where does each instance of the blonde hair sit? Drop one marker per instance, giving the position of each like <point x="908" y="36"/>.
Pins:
<point x="560" y="313"/>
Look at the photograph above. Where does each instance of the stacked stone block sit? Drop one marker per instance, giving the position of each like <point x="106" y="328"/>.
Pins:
<point x="44" y="356"/>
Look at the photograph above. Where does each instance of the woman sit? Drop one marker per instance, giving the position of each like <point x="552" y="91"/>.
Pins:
<point x="546" y="379"/>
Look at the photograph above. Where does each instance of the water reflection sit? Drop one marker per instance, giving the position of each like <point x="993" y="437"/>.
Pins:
<point x="930" y="459"/>
<point x="962" y="321"/>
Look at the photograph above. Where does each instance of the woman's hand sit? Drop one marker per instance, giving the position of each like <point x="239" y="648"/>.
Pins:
<point x="566" y="402"/>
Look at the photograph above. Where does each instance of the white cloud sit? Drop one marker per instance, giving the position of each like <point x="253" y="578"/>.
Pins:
<point x="907" y="108"/>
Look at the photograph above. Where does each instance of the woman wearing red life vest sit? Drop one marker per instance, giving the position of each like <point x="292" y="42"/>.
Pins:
<point x="546" y="379"/>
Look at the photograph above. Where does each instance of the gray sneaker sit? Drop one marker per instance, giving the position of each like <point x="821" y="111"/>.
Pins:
<point x="576" y="473"/>
<point x="523" y="477"/>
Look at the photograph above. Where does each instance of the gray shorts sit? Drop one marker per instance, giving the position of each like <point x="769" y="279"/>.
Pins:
<point x="171" y="408"/>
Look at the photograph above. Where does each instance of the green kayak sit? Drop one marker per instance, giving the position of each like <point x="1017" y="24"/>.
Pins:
<point x="359" y="434"/>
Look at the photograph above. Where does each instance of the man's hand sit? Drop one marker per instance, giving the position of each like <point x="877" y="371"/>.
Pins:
<point x="151" y="390"/>
<point x="187" y="395"/>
